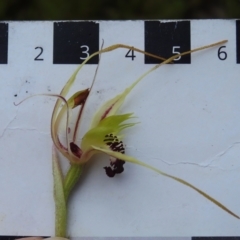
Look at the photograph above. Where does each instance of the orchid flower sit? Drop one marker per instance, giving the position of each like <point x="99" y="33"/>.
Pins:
<point x="103" y="136"/>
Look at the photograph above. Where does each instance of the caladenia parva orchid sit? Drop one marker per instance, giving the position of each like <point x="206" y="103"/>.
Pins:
<point x="103" y="136"/>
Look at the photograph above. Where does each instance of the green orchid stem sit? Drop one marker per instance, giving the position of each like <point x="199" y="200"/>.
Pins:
<point x="60" y="220"/>
<point x="59" y="197"/>
<point x="62" y="189"/>
<point x="71" y="179"/>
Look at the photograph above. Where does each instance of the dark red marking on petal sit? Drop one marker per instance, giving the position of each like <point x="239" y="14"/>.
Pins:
<point x="116" y="165"/>
<point x="109" y="172"/>
<point x="106" y="112"/>
<point x="75" y="149"/>
<point x="61" y="145"/>
<point x="81" y="98"/>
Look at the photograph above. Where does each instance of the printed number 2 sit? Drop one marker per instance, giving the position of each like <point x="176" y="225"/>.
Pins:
<point x="37" y="57"/>
<point x="85" y="52"/>
<point x="175" y="52"/>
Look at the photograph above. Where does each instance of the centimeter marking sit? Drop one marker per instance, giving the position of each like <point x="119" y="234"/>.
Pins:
<point x="73" y="42"/>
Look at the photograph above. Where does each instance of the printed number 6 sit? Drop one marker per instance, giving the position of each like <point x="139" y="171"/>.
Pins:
<point x="86" y="52"/>
<point x="222" y="55"/>
<point x="175" y="52"/>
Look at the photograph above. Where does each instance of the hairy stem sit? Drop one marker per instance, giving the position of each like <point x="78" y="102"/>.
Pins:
<point x="60" y="203"/>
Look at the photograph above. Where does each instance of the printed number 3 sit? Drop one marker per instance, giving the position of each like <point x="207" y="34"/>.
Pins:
<point x="175" y="52"/>
<point x="86" y="52"/>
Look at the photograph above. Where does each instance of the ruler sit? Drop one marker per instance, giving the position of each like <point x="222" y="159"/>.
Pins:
<point x="189" y="126"/>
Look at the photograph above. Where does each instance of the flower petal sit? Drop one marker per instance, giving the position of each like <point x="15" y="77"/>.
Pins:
<point x="113" y="124"/>
<point x="134" y="160"/>
<point x="112" y="105"/>
<point x="75" y="100"/>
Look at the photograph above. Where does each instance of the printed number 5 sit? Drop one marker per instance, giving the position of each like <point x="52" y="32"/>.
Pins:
<point x="175" y="52"/>
<point x="85" y="52"/>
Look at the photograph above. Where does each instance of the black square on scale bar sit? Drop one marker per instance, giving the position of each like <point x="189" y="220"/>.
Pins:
<point x="166" y="39"/>
<point x="13" y="237"/>
<point x="3" y="43"/>
<point x="238" y="40"/>
<point x="73" y="42"/>
<point x="215" y="238"/>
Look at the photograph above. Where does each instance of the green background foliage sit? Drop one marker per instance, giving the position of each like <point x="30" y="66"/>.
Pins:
<point x="117" y="9"/>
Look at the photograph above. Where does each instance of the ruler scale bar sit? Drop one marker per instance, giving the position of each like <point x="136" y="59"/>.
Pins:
<point x="74" y="41"/>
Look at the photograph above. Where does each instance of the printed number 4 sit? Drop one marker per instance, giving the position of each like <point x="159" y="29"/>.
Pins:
<point x="130" y="54"/>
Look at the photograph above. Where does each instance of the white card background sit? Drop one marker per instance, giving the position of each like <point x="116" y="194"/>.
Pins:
<point x="189" y="126"/>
